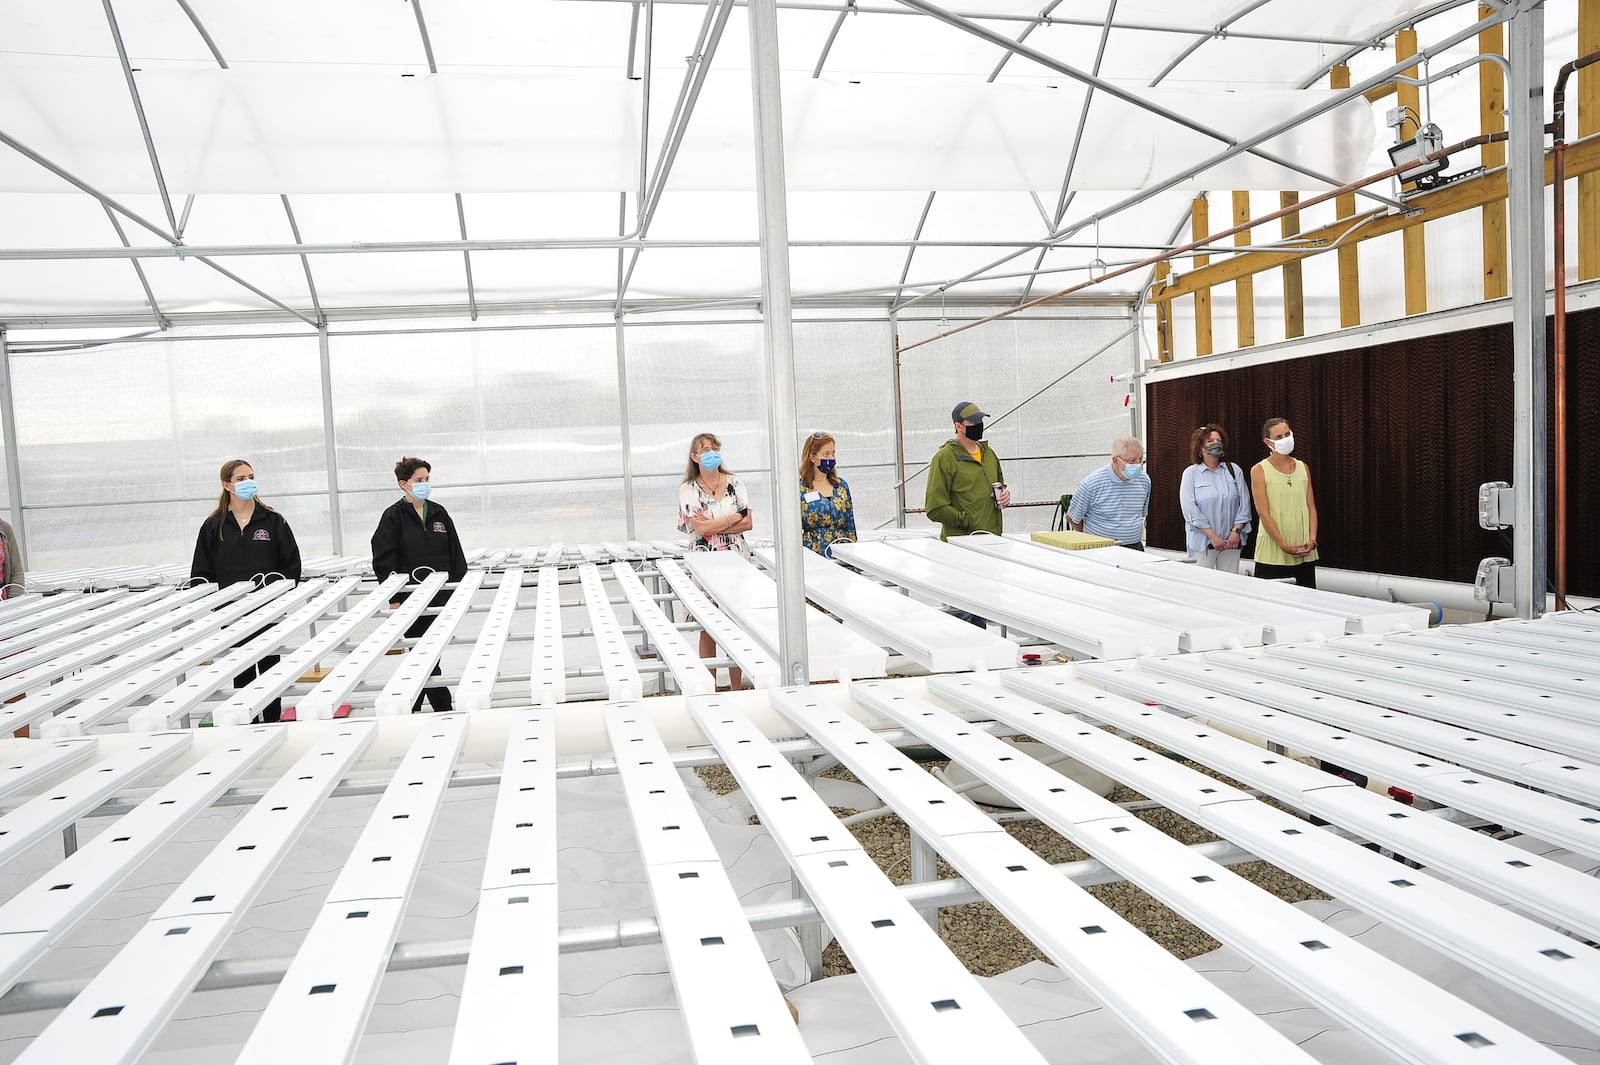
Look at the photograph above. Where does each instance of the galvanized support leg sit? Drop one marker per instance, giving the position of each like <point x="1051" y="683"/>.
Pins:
<point x="1525" y="165"/>
<point x="925" y="870"/>
<point x="8" y="424"/>
<point x="778" y="330"/>
<point x="335" y="518"/>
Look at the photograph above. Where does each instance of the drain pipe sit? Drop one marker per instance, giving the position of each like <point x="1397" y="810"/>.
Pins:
<point x="1558" y="130"/>
<point x="1393" y="588"/>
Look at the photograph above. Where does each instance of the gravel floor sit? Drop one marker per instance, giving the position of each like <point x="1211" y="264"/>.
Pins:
<point x="984" y="940"/>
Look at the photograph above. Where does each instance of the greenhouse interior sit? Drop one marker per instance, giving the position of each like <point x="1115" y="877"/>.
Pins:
<point x="803" y="452"/>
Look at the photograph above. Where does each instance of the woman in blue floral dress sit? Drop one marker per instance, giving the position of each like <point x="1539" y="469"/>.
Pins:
<point x="827" y="514"/>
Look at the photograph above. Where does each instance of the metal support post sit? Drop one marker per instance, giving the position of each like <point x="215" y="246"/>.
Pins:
<point x="899" y="421"/>
<point x="8" y="421"/>
<point x="778" y="334"/>
<point x="925" y="870"/>
<point x="1525" y="164"/>
<point x="622" y="423"/>
<point x="335" y="518"/>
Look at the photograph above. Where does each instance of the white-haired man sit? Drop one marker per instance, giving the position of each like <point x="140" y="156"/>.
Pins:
<point x="1113" y="500"/>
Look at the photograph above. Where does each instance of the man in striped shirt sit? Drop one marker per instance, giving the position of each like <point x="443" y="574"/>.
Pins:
<point x="1112" y="501"/>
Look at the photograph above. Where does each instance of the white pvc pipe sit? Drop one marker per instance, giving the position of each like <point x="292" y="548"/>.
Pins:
<point x="1396" y="589"/>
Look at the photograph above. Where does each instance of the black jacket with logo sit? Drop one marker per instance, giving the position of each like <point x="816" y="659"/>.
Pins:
<point x="405" y="542"/>
<point x="226" y="554"/>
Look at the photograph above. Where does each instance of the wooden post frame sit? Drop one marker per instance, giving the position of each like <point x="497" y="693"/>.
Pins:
<point x="1349" y="259"/>
<point x="1492" y="119"/>
<point x="1415" y="249"/>
<point x="1294" y="296"/>
<point x="1588" y="98"/>
<point x="1199" y="229"/>
<point x="1245" y="287"/>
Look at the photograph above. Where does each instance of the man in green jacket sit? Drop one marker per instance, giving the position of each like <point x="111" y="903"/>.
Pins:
<point x="962" y="477"/>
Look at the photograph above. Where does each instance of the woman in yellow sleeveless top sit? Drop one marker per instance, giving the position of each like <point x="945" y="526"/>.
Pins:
<point x="1286" y="544"/>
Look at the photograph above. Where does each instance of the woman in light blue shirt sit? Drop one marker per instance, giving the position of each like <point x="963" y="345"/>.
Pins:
<point x="1216" y="502"/>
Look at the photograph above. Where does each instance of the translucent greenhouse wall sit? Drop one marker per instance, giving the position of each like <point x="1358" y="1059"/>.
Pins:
<point x="119" y="445"/>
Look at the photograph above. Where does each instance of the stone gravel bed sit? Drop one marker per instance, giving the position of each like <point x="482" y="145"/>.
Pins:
<point x="984" y="940"/>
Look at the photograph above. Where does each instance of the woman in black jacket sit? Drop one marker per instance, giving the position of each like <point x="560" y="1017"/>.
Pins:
<point x="417" y="537"/>
<point x="242" y="540"/>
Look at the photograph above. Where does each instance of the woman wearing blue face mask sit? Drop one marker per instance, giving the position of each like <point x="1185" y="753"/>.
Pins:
<point x="242" y="540"/>
<point x="417" y="536"/>
<point x="827" y="514"/>
<point x="715" y="511"/>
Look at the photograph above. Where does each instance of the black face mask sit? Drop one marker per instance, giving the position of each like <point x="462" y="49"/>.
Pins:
<point x="1216" y="450"/>
<point x="975" y="432"/>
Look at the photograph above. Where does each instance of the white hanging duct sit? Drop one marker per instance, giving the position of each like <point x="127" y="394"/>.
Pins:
<point x="495" y="840"/>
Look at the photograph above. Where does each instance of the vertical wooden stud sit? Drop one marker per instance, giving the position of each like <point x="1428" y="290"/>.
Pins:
<point x="1349" y="257"/>
<point x="1294" y="297"/>
<point x="1414" y="245"/>
<point x="1200" y="229"/>
<point x="1492" y="119"/>
<point x="1245" y="287"/>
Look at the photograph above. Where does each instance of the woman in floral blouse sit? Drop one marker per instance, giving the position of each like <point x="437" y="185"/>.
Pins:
<point x="826" y="513"/>
<point x="714" y="509"/>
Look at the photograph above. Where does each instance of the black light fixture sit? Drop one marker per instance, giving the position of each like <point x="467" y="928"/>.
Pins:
<point x="1428" y="141"/>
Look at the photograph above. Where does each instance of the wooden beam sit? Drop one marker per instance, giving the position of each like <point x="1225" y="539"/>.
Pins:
<point x="1294" y="296"/>
<point x="1200" y="229"/>
<point x="1163" y="312"/>
<point x="1463" y="195"/>
<point x="1379" y="92"/>
<point x="1349" y="257"/>
<point x="1588" y="101"/>
<point x="1244" y="310"/>
<point x="1492" y="119"/>
<point x="1415" y="250"/>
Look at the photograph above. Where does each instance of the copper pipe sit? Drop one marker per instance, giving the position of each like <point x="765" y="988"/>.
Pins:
<point x="1558" y="129"/>
<point x="1322" y="197"/>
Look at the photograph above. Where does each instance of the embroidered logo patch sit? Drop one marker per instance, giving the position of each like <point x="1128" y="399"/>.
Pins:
<point x="438" y="526"/>
<point x="262" y="534"/>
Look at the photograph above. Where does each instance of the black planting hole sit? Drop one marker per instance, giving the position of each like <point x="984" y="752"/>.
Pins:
<point x="322" y="989"/>
<point x="510" y="970"/>
<point x="945" y="1005"/>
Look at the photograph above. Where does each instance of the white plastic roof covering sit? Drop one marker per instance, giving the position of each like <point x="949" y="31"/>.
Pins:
<point x="369" y="122"/>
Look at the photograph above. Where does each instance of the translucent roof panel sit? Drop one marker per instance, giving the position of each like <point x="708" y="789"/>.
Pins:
<point x="373" y="116"/>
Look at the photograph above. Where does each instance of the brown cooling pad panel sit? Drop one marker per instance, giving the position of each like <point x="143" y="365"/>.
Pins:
<point x="1398" y="437"/>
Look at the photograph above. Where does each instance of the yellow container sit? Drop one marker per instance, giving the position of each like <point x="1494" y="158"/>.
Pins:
<point x="1072" y="540"/>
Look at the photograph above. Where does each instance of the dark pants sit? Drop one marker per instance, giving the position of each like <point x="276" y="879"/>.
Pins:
<point x="439" y="699"/>
<point x="1304" y="574"/>
<point x="273" y="710"/>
